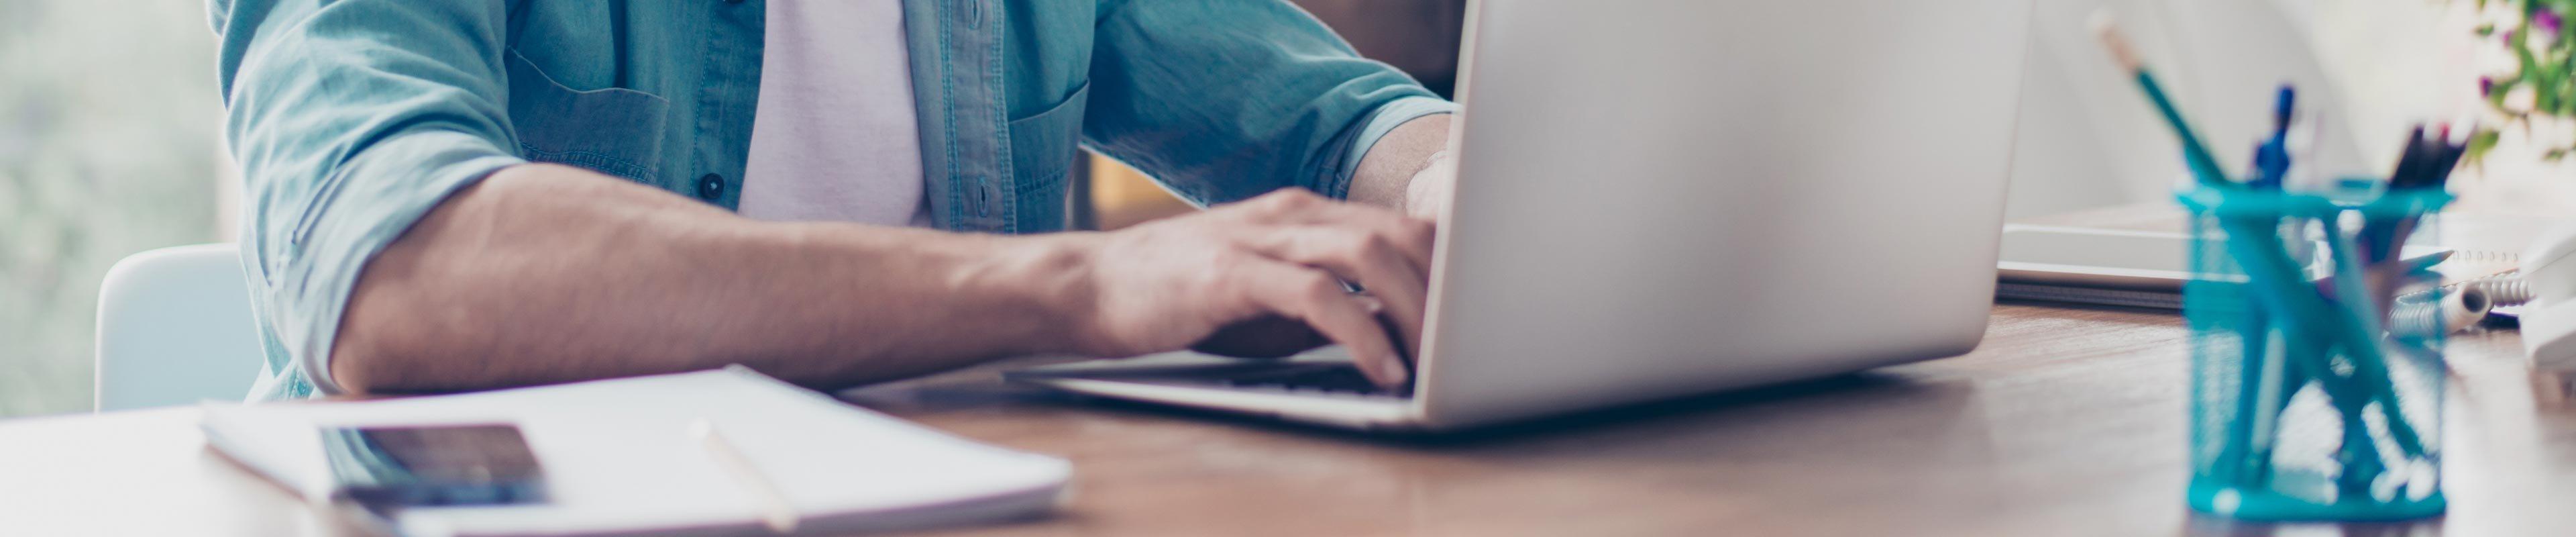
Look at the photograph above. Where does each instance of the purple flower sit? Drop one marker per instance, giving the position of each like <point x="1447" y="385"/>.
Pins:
<point x="2547" y="19"/>
<point x="2486" y="86"/>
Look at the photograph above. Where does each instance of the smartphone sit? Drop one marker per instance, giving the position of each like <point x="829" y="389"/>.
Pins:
<point x="390" y="467"/>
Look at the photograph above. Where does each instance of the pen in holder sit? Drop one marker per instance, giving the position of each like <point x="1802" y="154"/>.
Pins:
<point x="2308" y="403"/>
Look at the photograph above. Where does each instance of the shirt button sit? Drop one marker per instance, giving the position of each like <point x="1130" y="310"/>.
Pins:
<point x="711" y="186"/>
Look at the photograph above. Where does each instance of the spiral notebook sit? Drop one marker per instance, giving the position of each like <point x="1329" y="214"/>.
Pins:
<point x="2154" y="269"/>
<point x="620" y="460"/>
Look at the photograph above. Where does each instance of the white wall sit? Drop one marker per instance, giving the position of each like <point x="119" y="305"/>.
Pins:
<point x="2374" y="68"/>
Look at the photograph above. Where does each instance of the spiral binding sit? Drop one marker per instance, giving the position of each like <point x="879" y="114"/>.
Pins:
<point x="2505" y="289"/>
<point x="2425" y="311"/>
<point x="2456" y="306"/>
<point x="2484" y="257"/>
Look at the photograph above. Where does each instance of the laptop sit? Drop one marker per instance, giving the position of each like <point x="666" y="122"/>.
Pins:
<point x="1664" y="198"/>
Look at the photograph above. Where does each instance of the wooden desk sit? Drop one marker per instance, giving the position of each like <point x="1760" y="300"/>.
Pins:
<point x="2066" y="422"/>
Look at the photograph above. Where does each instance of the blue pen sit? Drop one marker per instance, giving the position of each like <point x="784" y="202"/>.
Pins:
<point x="2272" y="158"/>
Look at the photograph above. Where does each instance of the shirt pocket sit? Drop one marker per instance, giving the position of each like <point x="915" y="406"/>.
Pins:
<point x="616" y="131"/>
<point x="1048" y="44"/>
<point x="1043" y="149"/>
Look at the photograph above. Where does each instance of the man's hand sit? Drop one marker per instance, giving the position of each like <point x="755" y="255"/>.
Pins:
<point x="1227" y="271"/>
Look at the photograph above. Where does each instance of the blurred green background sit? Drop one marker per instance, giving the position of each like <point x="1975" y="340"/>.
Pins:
<point x="108" y="146"/>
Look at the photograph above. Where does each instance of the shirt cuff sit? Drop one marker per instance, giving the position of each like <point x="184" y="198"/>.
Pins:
<point x="1380" y="122"/>
<point x="356" y="211"/>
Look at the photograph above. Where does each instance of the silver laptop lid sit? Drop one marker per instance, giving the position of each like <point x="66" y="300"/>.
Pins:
<point x="1661" y="197"/>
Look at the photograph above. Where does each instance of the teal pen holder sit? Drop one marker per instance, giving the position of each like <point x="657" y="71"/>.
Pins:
<point x="2309" y="403"/>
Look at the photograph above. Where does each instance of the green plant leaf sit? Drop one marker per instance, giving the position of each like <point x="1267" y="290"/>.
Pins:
<point x="2479" y="144"/>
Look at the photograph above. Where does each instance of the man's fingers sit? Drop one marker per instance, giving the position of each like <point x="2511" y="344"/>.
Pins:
<point x="1267" y="336"/>
<point x="1370" y="259"/>
<point x="1318" y="299"/>
<point x="1411" y="236"/>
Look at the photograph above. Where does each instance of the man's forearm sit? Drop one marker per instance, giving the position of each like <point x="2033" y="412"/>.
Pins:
<point x="1387" y="172"/>
<point x="546" y="274"/>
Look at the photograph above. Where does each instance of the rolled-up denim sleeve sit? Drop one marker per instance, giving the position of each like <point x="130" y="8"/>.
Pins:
<point x="1223" y="100"/>
<point x="350" y="120"/>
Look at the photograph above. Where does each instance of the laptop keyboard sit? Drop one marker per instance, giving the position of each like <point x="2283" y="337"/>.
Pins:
<point x="1325" y="372"/>
<point x="1326" y="378"/>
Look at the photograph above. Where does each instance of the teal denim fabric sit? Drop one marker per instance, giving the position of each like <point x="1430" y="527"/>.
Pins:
<point x="350" y="119"/>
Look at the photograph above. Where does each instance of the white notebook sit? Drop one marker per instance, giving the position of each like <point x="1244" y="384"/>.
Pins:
<point x="619" y="458"/>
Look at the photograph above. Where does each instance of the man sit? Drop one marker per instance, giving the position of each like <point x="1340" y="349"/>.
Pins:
<point x="469" y="194"/>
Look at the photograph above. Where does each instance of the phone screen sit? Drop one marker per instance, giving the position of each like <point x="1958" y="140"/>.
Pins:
<point x="434" y="465"/>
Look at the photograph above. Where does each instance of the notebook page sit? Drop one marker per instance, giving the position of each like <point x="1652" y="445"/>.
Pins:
<point x="618" y="455"/>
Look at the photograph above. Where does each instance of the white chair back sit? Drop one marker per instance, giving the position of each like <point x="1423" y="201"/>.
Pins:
<point x="174" y="327"/>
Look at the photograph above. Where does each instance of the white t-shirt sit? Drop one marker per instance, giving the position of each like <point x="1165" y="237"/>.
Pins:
<point x="834" y="137"/>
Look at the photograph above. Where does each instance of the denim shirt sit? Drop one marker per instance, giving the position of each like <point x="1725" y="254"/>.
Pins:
<point x="351" y="119"/>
